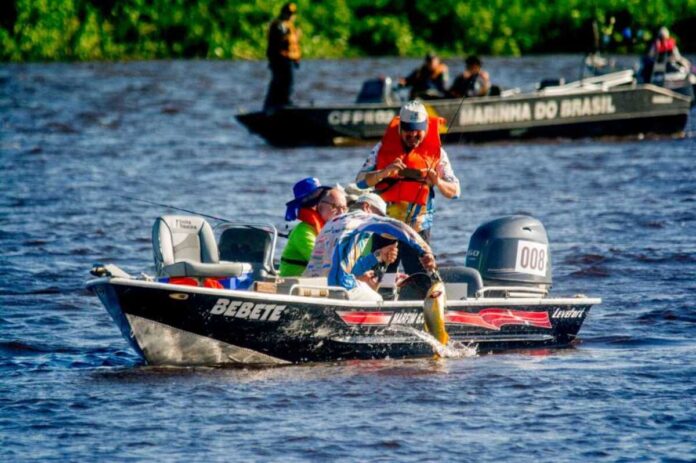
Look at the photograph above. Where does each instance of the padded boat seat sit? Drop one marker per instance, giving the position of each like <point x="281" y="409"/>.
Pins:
<point x="187" y="268"/>
<point x="249" y="243"/>
<point x="185" y="246"/>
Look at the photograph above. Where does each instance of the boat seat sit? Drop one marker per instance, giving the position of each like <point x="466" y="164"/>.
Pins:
<point x="184" y="246"/>
<point x="249" y="243"/>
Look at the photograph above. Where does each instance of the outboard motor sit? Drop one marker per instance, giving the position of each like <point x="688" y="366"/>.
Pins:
<point x="512" y="251"/>
<point x="377" y="91"/>
<point x="550" y="83"/>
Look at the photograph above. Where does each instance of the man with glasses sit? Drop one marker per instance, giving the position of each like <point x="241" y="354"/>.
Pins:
<point x="313" y="206"/>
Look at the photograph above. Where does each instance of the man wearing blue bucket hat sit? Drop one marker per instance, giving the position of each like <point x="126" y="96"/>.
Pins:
<point x="313" y="205"/>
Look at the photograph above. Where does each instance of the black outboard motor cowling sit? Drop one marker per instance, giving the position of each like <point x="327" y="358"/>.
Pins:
<point x="511" y="251"/>
<point x="377" y="91"/>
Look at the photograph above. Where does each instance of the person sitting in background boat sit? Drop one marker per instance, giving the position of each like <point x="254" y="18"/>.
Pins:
<point x="283" y="54"/>
<point x="406" y="168"/>
<point x="350" y="269"/>
<point x="474" y="81"/>
<point x="361" y="211"/>
<point x="663" y="55"/>
<point x="313" y="205"/>
<point x="428" y="81"/>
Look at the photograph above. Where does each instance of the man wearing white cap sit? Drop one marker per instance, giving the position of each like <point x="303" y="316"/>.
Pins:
<point x="406" y="168"/>
<point x="339" y="251"/>
<point x="362" y="210"/>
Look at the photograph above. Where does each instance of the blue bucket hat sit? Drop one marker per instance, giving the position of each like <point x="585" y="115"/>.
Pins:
<point x="306" y="191"/>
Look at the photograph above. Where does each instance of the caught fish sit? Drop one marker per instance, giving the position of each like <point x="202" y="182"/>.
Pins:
<point x="434" y="312"/>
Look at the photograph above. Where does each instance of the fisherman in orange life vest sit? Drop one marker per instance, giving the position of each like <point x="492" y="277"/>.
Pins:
<point x="405" y="169"/>
<point x="283" y="54"/>
<point x="665" y="48"/>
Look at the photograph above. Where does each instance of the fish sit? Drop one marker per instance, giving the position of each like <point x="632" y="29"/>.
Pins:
<point x="434" y="312"/>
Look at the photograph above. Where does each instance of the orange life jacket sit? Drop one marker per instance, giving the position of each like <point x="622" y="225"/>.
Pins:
<point x="292" y="43"/>
<point x="312" y="218"/>
<point x="425" y="156"/>
<point x="283" y="40"/>
<point x="665" y="46"/>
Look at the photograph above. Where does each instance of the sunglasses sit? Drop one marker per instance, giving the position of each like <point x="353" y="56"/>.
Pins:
<point x="335" y="207"/>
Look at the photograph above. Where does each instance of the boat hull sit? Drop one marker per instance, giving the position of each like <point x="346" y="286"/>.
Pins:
<point x="180" y="325"/>
<point x="619" y="111"/>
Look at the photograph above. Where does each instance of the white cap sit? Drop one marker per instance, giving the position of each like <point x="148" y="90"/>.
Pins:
<point x="373" y="200"/>
<point x="663" y="32"/>
<point x="413" y="116"/>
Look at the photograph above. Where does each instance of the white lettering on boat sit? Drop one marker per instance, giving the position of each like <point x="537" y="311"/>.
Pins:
<point x="247" y="310"/>
<point x="568" y="313"/>
<point x="498" y="113"/>
<point x="361" y="116"/>
<point x="587" y="106"/>
<point x="406" y="318"/>
<point x="549" y="109"/>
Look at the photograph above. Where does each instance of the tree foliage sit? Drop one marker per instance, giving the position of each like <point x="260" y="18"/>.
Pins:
<point x="32" y="30"/>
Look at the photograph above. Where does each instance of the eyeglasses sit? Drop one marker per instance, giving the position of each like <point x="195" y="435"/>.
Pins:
<point x="335" y="207"/>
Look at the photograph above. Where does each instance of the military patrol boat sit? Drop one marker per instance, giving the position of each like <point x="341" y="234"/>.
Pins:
<point x="213" y="303"/>
<point x="610" y="104"/>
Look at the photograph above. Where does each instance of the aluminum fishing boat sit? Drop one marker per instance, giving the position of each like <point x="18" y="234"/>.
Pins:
<point x="215" y="303"/>
<point x="611" y="104"/>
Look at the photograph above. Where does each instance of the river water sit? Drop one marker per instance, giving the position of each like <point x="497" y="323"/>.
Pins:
<point x="76" y="138"/>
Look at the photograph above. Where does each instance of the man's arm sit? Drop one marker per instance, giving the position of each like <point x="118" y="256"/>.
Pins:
<point x="369" y="176"/>
<point x="443" y="178"/>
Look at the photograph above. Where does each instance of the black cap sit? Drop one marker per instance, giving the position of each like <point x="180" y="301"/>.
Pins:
<point x="288" y="9"/>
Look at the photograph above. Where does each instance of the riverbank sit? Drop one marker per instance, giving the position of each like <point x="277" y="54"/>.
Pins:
<point x="87" y="30"/>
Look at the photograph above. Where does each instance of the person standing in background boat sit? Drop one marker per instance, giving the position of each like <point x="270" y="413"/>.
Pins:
<point x="406" y="168"/>
<point x="474" y="81"/>
<point x="663" y="55"/>
<point x="428" y="81"/>
<point x="283" y="54"/>
<point x="313" y="205"/>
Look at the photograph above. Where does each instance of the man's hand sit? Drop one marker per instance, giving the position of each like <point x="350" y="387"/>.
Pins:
<point x="432" y="177"/>
<point x="393" y="169"/>
<point x="428" y="262"/>
<point x="370" y="278"/>
<point x="388" y="254"/>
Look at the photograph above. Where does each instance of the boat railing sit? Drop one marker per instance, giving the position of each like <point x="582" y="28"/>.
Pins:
<point x="316" y="290"/>
<point x="513" y="291"/>
<point x="603" y="82"/>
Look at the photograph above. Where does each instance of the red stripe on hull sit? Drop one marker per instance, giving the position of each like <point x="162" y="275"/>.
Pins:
<point x="494" y="318"/>
<point x="365" y="318"/>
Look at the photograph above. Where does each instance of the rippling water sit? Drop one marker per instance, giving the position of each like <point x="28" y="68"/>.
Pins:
<point x="76" y="138"/>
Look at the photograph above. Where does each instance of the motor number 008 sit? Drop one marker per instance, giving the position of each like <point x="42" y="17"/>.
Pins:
<point x="533" y="259"/>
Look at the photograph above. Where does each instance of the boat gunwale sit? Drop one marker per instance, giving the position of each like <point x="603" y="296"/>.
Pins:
<point x="324" y="301"/>
<point x="536" y="94"/>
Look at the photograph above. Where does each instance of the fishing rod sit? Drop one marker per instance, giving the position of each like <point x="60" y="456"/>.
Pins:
<point x="169" y="206"/>
<point x="190" y="211"/>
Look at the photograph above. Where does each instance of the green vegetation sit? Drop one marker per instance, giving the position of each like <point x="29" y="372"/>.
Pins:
<point x="33" y="30"/>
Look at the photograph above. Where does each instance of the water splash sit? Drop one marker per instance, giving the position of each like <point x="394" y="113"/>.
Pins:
<point x="453" y="349"/>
